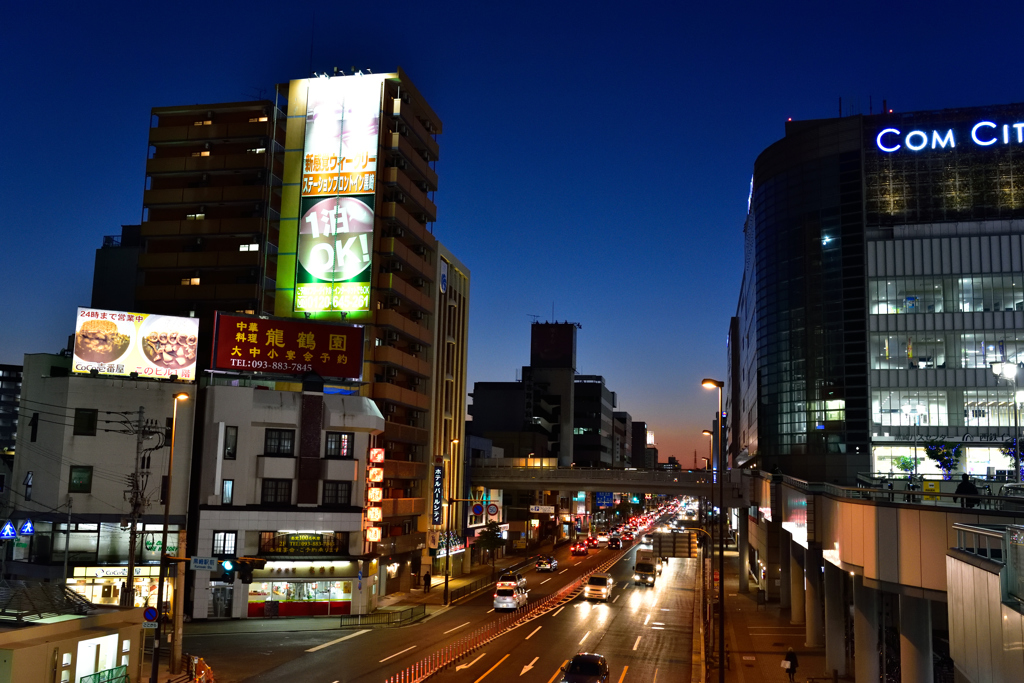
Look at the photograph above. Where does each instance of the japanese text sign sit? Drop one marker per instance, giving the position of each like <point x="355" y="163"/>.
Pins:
<point x="373" y="534"/>
<point x="435" y="513"/>
<point x="376" y="455"/>
<point x="120" y="343"/>
<point x="289" y="347"/>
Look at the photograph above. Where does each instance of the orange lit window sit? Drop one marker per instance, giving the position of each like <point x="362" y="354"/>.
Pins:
<point x="201" y="154"/>
<point x="190" y="281"/>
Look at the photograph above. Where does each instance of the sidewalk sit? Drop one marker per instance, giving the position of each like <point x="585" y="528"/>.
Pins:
<point x="759" y="636"/>
<point x="417" y="596"/>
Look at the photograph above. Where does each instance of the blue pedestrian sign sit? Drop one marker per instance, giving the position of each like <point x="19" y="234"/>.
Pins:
<point x="7" y="533"/>
<point x="150" y="614"/>
<point x="27" y="529"/>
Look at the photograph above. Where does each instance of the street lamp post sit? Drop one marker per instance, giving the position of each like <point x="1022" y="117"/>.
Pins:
<point x="717" y="384"/>
<point x="1008" y="371"/>
<point x="448" y="517"/>
<point x="163" y="543"/>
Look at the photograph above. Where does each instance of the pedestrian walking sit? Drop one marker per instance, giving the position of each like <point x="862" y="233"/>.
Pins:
<point x="966" y="486"/>
<point x="789" y="663"/>
<point x="426" y="582"/>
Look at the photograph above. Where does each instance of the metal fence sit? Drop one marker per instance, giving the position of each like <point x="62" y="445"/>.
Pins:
<point x="118" y="674"/>
<point x="384" y="617"/>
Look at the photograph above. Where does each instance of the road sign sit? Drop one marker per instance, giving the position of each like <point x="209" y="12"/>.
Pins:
<point x="520" y="543"/>
<point x="8" y="532"/>
<point x="149" y="614"/>
<point x="478" y="509"/>
<point x="492" y="509"/>
<point x="149" y="624"/>
<point x="546" y="509"/>
<point x="26" y="529"/>
<point x="206" y="564"/>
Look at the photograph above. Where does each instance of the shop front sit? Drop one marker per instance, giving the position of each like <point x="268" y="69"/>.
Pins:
<point x="103" y="585"/>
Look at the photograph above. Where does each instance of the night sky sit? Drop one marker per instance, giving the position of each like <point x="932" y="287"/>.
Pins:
<point x="595" y="161"/>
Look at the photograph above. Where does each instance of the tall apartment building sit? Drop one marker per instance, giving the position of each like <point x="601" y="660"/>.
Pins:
<point x="592" y="422"/>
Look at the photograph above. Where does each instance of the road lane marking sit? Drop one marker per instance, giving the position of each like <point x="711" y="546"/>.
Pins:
<point x="460" y="667"/>
<point x="615" y="598"/>
<point x="559" y="610"/>
<point x="531" y="634"/>
<point x="490" y="610"/>
<point x="564" y="570"/>
<point x="334" y="642"/>
<point x="623" y="676"/>
<point x="491" y="669"/>
<point x="637" y="643"/>
<point x="584" y="637"/>
<point x="655" y="676"/>
<point x="657" y="628"/>
<point x="544" y="581"/>
<point x="659" y="623"/>
<point x="557" y="672"/>
<point x="646" y="619"/>
<point x="529" y="666"/>
<point x="396" y="654"/>
<point x="456" y="628"/>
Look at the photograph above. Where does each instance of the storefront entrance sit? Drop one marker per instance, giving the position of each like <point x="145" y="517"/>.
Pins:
<point x="221" y="596"/>
<point x="299" y="598"/>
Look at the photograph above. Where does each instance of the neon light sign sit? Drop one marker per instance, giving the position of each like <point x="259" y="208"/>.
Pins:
<point x="983" y="134"/>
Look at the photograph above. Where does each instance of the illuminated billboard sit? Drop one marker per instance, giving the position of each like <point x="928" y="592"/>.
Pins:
<point x="249" y="343"/>
<point x="339" y="179"/>
<point x="120" y="343"/>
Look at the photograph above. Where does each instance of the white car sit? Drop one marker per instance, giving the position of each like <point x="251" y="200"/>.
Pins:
<point x="510" y="598"/>
<point x="602" y="539"/>
<point x="598" y="587"/>
<point x="512" y="580"/>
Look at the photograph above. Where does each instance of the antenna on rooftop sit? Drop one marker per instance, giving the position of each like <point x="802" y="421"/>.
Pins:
<point x="535" y="317"/>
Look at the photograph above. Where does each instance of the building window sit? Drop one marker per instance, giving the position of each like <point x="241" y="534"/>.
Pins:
<point x="339" y="445"/>
<point x="227" y="494"/>
<point x="189" y="281"/>
<point x="277" y="492"/>
<point x="224" y="542"/>
<point x="207" y="122"/>
<point x="85" y="421"/>
<point x="337" y="493"/>
<point x="80" y="480"/>
<point x="3" y="482"/>
<point x="230" y="442"/>
<point x="256" y="150"/>
<point x="248" y="247"/>
<point x="195" y="217"/>
<point x="279" y="442"/>
<point x="258" y="119"/>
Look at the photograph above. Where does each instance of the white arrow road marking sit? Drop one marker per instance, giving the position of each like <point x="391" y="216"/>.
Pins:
<point x="456" y="628"/>
<point x="584" y="637"/>
<point x="460" y="667"/>
<point x="529" y="666"/>
<point x="396" y="654"/>
<point x="531" y="636"/>
<point x="637" y="643"/>
<point x="333" y="642"/>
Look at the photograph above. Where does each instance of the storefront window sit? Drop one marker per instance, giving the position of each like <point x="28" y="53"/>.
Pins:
<point x="300" y="598"/>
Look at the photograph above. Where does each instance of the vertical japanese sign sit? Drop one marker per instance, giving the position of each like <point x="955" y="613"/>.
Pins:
<point x="435" y="513"/>
<point x="374" y="494"/>
<point x="339" y="173"/>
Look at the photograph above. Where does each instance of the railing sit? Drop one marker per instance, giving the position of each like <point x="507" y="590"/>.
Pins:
<point x="118" y="674"/>
<point x="462" y="591"/>
<point x="384" y="618"/>
<point x="903" y="491"/>
<point x="984" y="541"/>
<point x="450" y="654"/>
<point x="594" y="474"/>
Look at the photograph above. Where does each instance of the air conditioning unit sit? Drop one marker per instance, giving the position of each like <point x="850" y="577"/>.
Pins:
<point x="417" y="315"/>
<point x="390" y="408"/>
<point x="394" y="301"/>
<point x="391" y="336"/>
<point x="419" y="282"/>
<point x="414" y="382"/>
<point x="398" y="198"/>
<point x="397" y="231"/>
<point x="420" y="250"/>
<point x="391" y="372"/>
<point x="416" y="348"/>
<point x="395" y="267"/>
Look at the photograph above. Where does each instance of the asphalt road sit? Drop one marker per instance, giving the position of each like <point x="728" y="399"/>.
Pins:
<point x="644" y="632"/>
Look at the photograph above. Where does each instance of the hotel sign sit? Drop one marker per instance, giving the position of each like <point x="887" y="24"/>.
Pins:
<point x="435" y="513"/>
<point x="980" y="134"/>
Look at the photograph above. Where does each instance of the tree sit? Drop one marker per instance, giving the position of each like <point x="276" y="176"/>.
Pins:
<point x="489" y="538"/>
<point x="947" y="457"/>
<point x="905" y="464"/>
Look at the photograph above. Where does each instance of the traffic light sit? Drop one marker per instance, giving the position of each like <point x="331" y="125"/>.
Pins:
<point x="246" y="565"/>
<point x="228" y="568"/>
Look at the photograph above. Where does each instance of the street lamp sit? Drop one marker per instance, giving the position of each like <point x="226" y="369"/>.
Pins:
<point x="448" y="516"/>
<point x="1008" y="371"/>
<point x="163" y="543"/>
<point x="708" y="462"/>
<point x="717" y="384"/>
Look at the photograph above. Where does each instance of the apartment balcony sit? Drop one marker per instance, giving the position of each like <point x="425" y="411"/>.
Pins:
<point x="416" y="165"/>
<point x="190" y="164"/>
<point x="224" y="226"/>
<point x="389" y="282"/>
<point x="423" y="138"/>
<point x="416" y="262"/>
<point x="199" y="259"/>
<point x="394" y="320"/>
<point x="197" y="292"/>
<point x="393" y="545"/>
<point x="389" y="355"/>
<point x="413" y="195"/>
<point x="402" y="507"/>
<point x="204" y="195"/>
<point x="405" y="469"/>
<point x="393" y="431"/>
<point x="397" y="215"/>
<point x="382" y="391"/>
<point x="225" y="132"/>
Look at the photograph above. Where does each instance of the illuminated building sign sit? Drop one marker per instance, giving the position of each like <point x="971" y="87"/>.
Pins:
<point x="374" y="514"/>
<point x="435" y="512"/>
<point x="373" y="534"/>
<point x="376" y="455"/>
<point x="337" y="194"/>
<point x="375" y="474"/>
<point x="121" y="343"/>
<point x="980" y="134"/>
<point x="374" y="494"/>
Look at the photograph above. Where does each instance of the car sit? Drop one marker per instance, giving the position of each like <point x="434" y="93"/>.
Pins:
<point x="598" y="587"/>
<point x="592" y="542"/>
<point x="511" y="580"/>
<point x="510" y="598"/>
<point x="586" y="667"/>
<point x="602" y="538"/>
<point x="615" y="543"/>
<point x="579" y="549"/>
<point x="628" y="536"/>
<point x="546" y="563"/>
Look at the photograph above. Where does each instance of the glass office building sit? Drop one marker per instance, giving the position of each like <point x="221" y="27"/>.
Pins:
<point x="884" y="277"/>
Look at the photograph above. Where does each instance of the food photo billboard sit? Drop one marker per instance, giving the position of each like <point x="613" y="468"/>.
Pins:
<point x="336" y="207"/>
<point x="287" y="346"/>
<point x="120" y="343"/>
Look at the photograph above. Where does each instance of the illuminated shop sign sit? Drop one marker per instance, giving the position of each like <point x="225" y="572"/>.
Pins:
<point x="435" y="512"/>
<point x="120" y="343"/>
<point x="373" y="514"/>
<point x="980" y="134"/>
<point x="339" y="172"/>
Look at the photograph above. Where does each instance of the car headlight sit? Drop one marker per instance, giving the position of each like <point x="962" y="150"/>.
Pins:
<point x="635" y="577"/>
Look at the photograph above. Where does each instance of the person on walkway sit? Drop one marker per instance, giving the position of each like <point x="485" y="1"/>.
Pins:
<point x="791" y="658"/>
<point x="426" y="582"/>
<point x="966" y="486"/>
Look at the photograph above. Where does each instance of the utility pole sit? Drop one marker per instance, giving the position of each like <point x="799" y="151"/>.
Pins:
<point x="135" y="498"/>
<point x="67" y="541"/>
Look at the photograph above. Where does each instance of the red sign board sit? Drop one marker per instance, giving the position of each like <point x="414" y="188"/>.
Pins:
<point x="287" y="347"/>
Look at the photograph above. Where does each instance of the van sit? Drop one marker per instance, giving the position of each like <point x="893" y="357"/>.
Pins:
<point x="598" y="586"/>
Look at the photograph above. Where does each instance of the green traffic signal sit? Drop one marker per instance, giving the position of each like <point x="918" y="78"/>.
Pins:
<point x="228" y="565"/>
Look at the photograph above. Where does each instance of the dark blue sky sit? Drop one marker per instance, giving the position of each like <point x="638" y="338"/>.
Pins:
<point x="596" y="157"/>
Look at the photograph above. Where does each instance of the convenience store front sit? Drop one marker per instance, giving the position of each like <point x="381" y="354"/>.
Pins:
<point x="103" y="585"/>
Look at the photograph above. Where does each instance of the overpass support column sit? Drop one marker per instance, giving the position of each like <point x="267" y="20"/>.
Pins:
<point x="835" y="636"/>
<point x="812" y="600"/>
<point x="743" y="549"/>
<point x="785" y="599"/>
<point x="916" y="639"/>
<point x="797" y="613"/>
<point x="865" y="632"/>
